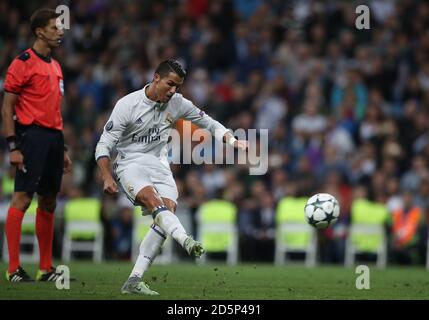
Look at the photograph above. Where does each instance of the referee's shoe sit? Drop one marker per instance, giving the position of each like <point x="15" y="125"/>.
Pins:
<point x="50" y="276"/>
<point x="18" y="276"/>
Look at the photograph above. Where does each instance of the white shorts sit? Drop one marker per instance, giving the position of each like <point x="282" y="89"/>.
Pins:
<point x="134" y="177"/>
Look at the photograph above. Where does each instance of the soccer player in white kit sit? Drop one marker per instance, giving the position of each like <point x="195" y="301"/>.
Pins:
<point x="138" y="129"/>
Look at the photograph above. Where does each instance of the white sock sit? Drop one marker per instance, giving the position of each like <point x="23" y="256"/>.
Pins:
<point x="169" y="222"/>
<point x="149" y="249"/>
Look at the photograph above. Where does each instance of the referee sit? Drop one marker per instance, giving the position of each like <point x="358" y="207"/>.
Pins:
<point x="33" y="125"/>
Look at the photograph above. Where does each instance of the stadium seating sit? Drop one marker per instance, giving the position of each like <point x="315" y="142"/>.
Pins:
<point x="367" y="234"/>
<point x="141" y="226"/>
<point x="217" y="229"/>
<point x="28" y="236"/>
<point x="293" y="233"/>
<point x="83" y="230"/>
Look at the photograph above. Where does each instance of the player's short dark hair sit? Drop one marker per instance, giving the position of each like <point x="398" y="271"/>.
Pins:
<point x="170" y="65"/>
<point x="40" y="18"/>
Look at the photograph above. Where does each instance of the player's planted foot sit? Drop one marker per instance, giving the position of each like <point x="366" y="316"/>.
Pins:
<point x="18" y="276"/>
<point x="194" y="248"/>
<point x="135" y="285"/>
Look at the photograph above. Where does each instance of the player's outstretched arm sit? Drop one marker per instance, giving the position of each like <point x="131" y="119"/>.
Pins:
<point x="198" y="117"/>
<point x="238" y="144"/>
<point x="109" y="184"/>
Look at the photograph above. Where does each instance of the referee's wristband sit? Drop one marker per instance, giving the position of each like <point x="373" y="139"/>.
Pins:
<point x="12" y="143"/>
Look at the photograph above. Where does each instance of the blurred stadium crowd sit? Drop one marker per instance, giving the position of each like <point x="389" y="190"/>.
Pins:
<point x="347" y="110"/>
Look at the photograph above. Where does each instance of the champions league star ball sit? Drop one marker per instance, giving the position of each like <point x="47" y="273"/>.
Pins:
<point x="322" y="210"/>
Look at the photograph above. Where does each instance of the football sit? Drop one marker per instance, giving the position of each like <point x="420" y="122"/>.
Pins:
<point x="322" y="210"/>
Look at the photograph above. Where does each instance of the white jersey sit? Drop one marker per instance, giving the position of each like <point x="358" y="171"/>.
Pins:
<point x="139" y="128"/>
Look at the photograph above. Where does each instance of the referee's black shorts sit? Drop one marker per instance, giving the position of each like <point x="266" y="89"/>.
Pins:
<point x="43" y="151"/>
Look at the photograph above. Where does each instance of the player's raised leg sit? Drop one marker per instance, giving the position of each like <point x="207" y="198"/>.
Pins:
<point x="168" y="221"/>
<point x="151" y="245"/>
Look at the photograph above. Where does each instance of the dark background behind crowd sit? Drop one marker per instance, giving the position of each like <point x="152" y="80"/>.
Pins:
<point x="347" y="109"/>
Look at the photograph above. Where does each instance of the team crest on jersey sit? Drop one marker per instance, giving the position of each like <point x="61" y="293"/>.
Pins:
<point x="131" y="190"/>
<point x="169" y="118"/>
<point x="62" y="87"/>
<point x="109" y="126"/>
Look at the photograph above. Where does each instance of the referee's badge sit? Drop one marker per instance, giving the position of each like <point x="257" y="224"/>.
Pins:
<point x="62" y="87"/>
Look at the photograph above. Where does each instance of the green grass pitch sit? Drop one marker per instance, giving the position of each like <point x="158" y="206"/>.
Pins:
<point x="219" y="281"/>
